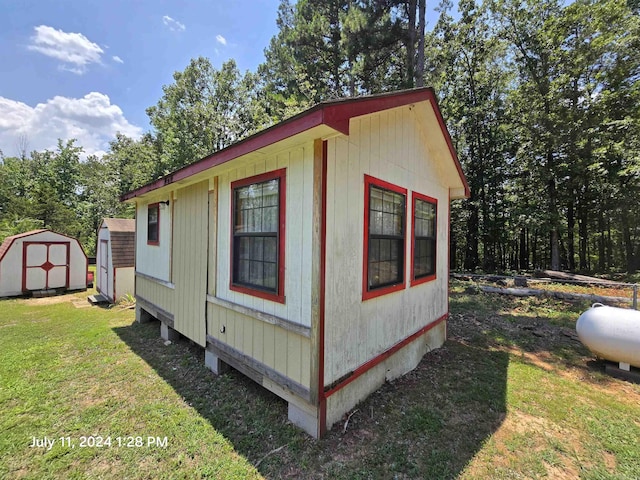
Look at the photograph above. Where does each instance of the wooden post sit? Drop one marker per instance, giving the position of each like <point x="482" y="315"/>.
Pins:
<point x="635" y="296"/>
<point x="316" y="271"/>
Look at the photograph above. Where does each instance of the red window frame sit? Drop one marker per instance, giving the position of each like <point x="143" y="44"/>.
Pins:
<point x="156" y="206"/>
<point x="280" y="174"/>
<point x="377" y="292"/>
<point x="434" y="201"/>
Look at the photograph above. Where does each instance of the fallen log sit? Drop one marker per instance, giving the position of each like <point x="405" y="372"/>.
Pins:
<point x="572" y="277"/>
<point x="530" y="292"/>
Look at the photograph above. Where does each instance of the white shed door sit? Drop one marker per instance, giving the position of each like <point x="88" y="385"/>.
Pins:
<point x="105" y="285"/>
<point x="46" y="265"/>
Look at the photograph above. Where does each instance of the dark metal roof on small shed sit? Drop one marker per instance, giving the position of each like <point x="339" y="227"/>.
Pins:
<point x="120" y="224"/>
<point x="123" y="241"/>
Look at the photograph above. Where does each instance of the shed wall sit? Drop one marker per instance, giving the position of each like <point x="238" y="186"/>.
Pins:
<point x="124" y="282"/>
<point x="299" y="180"/>
<point x="286" y="352"/>
<point x="154" y="260"/>
<point x="190" y="260"/>
<point x="11" y="265"/>
<point x="390" y="146"/>
<point x="279" y="348"/>
<point x="155" y="293"/>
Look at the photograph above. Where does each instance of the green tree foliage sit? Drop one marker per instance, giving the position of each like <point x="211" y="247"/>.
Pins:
<point x="203" y="111"/>
<point x="542" y="99"/>
<point x="41" y="191"/>
<point x="467" y="68"/>
<point x="338" y="48"/>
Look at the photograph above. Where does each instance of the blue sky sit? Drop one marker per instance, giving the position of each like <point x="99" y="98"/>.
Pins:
<point x="86" y="69"/>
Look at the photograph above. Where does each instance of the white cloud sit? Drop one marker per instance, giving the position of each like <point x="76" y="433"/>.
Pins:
<point x="74" y="50"/>
<point x="221" y="39"/>
<point x="93" y="120"/>
<point x="117" y="59"/>
<point x="173" y="25"/>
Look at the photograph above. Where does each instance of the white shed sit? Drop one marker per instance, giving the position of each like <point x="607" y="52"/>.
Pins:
<point x="115" y="258"/>
<point x="41" y="260"/>
<point x="311" y="256"/>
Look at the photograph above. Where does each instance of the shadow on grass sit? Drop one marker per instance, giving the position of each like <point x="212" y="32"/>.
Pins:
<point x="541" y="329"/>
<point x="428" y="424"/>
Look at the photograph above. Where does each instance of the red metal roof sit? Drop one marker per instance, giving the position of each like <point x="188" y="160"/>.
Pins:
<point x="335" y="114"/>
<point x="9" y="240"/>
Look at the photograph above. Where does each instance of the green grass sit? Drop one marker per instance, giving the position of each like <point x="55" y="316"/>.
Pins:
<point x="512" y="394"/>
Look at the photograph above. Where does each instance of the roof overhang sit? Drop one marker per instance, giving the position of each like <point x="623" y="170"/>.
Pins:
<point x="321" y="121"/>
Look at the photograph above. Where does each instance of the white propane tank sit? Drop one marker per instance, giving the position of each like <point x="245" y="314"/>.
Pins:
<point x="611" y="333"/>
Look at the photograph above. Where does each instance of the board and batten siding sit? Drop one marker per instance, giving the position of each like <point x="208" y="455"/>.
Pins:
<point x="190" y="237"/>
<point x="158" y="294"/>
<point x="283" y="350"/>
<point x="154" y="260"/>
<point x="391" y="146"/>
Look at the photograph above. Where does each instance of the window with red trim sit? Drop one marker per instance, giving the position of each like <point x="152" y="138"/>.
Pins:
<point x="423" y="233"/>
<point x="153" y="224"/>
<point x="257" y="247"/>
<point x="385" y="238"/>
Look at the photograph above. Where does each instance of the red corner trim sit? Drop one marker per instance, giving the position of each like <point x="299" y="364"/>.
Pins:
<point x="365" y="367"/>
<point x="323" y="271"/>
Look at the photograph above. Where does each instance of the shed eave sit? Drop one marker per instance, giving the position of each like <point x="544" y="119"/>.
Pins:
<point x="204" y="168"/>
<point x="322" y="120"/>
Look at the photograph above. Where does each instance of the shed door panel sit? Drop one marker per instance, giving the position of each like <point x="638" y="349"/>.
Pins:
<point x="190" y="229"/>
<point x="36" y="279"/>
<point x="46" y="265"/>
<point x="58" y="273"/>
<point x="36" y="254"/>
<point x="104" y="268"/>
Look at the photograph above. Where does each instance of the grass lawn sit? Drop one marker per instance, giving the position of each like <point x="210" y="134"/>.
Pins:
<point x="512" y="394"/>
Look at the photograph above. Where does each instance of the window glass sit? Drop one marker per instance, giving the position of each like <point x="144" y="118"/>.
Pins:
<point x="153" y="221"/>
<point x="424" y="248"/>
<point x="256" y="233"/>
<point x="385" y="263"/>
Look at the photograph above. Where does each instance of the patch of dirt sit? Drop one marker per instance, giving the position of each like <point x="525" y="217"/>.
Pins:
<point x="69" y="297"/>
<point x="76" y="300"/>
<point x="532" y="338"/>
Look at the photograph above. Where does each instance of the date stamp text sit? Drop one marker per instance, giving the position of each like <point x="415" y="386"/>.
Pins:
<point x="98" y="441"/>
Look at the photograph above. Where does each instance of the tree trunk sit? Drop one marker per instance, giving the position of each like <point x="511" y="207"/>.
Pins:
<point x="582" y="233"/>
<point x="419" y="74"/>
<point x="411" y="43"/>
<point x="524" y="255"/>
<point x="534" y="249"/>
<point x="471" y="259"/>
<point x="571" y="224"/>
<point x="628" y="245"/>
<point x="555" y="234"/>
<point x="601" y="241"/>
